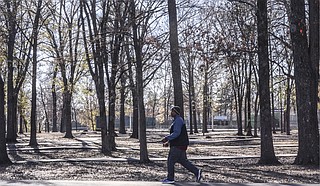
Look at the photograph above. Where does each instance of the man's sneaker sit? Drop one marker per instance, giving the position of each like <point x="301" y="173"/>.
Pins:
<point x="199" y="176"/>
<point x="166" y="181"/>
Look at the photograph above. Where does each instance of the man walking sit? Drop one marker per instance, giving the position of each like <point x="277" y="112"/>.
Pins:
<point x="178" y="141"/>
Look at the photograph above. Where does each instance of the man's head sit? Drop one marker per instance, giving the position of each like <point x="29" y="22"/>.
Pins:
<point x="175" y="110"/>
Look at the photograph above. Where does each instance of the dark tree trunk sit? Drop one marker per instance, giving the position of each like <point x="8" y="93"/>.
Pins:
<point x="135" y="116"/>
<point x="67" y="114"/>
<point x="267" y="149"/>
<point x="174" y="53"/>
<point x="96" y="69"/>
<point x="288" y="107"/>
<point x="239" y="113"/>
<point x="20" y="121"/>
<point x="4" y="159"/>
<point x="205" y="99"/>
<point x="139" y="79"/>
<point x="134" y="120"/>
<point x="191" y="96"/>
<point x="54" y="100"/>
<point x="111" y="144"/>
<point x="122" y="127"/>
<point x="306" y="69"/>
<point x="12" y="29"/>
<point x="45" y="109"/>
<point x="115" y="46"/>
<point x="248" y="98"/>
<point x="33" y="139"/>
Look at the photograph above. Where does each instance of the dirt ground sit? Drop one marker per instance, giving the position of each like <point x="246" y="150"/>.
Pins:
<point x="220" y="143"/>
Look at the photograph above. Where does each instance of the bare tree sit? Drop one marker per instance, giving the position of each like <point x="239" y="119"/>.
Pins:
<point x="267" y="149"/>
<point x="139" y="87"/>
<point x="97" y="39"/>
<point x="306" y="70"/>
<point x="11" y="23"/>
<point x="33" y="138"/>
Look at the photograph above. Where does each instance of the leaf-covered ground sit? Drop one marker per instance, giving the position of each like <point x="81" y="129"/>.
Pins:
<point x="222" y="146"/>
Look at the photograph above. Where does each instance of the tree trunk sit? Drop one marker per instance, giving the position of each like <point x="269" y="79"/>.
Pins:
<point x="67" y="114"/>
<point x="45" y="110"/>
<point x="139" y="79"/>
<point x="174" y="53"/>
<point x="191" y="96"/>
<point x="133" y="89"/>
<point x="288" y="107"/>
<point x="267" y="149"/>
<point x="239" y="113"/>
<point x="248" y="98"/>
<point x="12" y="28"/>
<point x="306" y="65"/>
<point x="122" y="127"/>
<point x="54" y="100"/>
<point x="111" y="144"/>
<point x="33" y="139"/>
<point x="205" y="99"/>
<point x="96" y="69"/>
<point x="135" y="117"/>
<point x="4" y="159"/>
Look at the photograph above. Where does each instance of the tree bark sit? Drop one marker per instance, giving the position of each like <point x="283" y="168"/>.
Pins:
<point x="306" y="65"/>
<point x="190" y="91"/>
<point x="174" y="53"/>
<point x="54" y="100"/>
<point x="96" y="69"/>
<point x="267" y="149"/>
<point x="67" y="96"/>
<point x="33" y="139"/>
<point x="139" y="79"/>
<point x="4" y="159"/>
<point x="122" y="127"/>
<point x="12" y="28"/>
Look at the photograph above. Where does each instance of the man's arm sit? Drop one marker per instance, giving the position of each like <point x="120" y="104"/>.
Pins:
<point x="176" y="130"/>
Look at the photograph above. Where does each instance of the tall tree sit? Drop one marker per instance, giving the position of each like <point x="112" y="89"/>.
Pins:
<point x="33" y="139"/>
<point x="122" y="126"/>
<point x="267" y="149"/>
<point x="99" y="55"/>
<point x="306" y="70"/>
<point x="139" y="86"/>
<point x="11" y="23"/>
<point x="174" y="53"/>
<point x="54" y="99"/>
<point x="4" y="159"/>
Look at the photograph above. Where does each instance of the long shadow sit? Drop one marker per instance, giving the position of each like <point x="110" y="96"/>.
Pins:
<point x="252" y="175"/>
<point x="12" y="152"/>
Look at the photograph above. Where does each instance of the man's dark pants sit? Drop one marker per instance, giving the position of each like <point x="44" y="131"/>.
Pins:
<point x="177" y="155"/>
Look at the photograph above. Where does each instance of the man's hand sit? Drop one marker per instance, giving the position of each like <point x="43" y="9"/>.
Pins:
<point x="164" y="140"/>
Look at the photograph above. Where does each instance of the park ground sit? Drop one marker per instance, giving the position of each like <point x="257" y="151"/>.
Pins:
<point x="223" y="156"/>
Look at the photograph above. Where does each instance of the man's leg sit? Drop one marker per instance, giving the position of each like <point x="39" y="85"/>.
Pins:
<point x="187" y="164"/>
<point x="173" y="158"/>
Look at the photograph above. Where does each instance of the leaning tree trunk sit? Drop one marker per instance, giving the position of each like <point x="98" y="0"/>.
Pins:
<point x="267" y="149"/>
